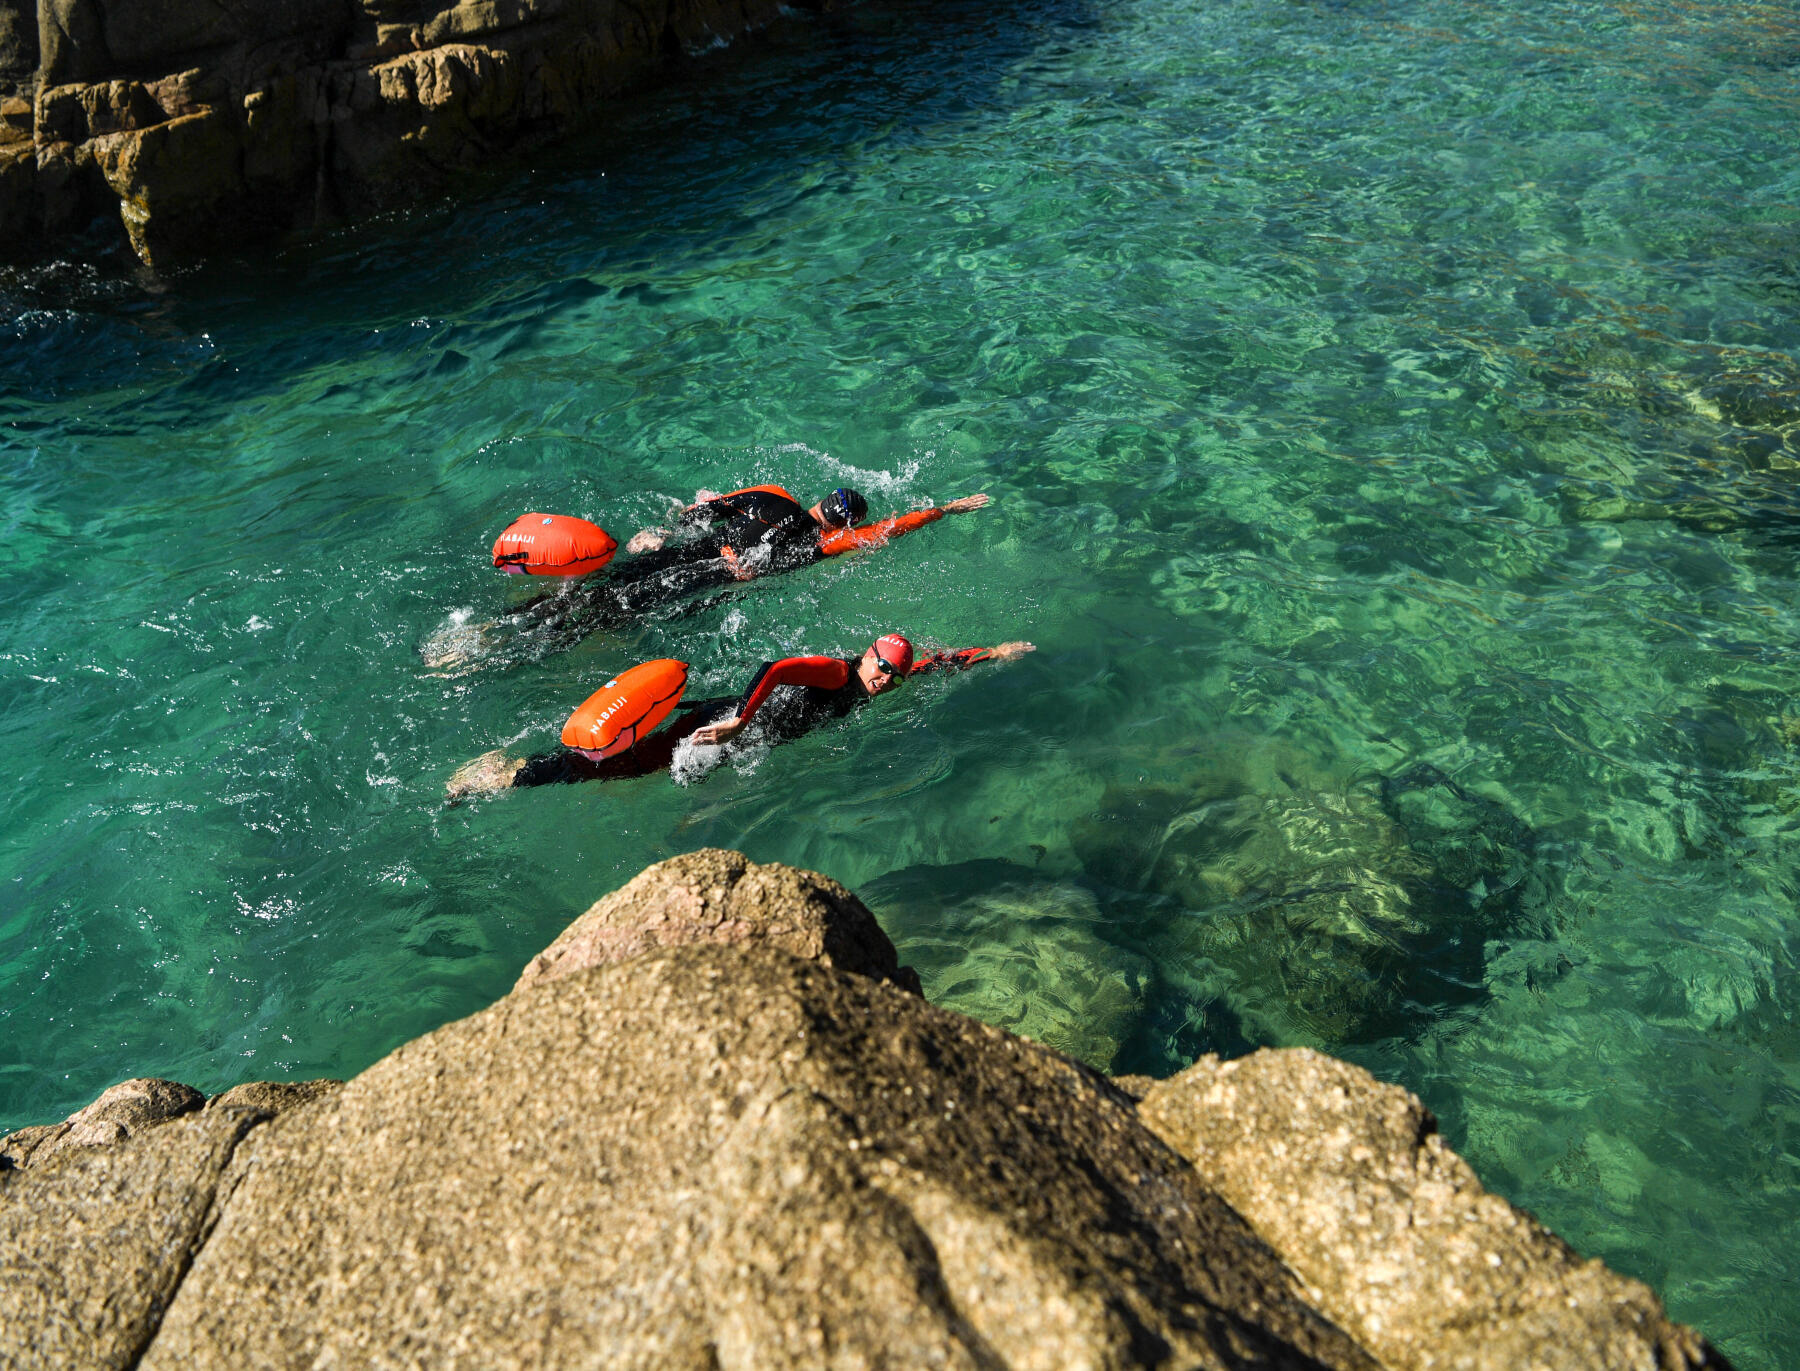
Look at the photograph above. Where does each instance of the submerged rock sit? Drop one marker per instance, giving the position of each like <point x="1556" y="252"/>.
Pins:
<point x="1022" y="951"/>
<point x="1320" y="913"/>
<point x="670" y="1148"/>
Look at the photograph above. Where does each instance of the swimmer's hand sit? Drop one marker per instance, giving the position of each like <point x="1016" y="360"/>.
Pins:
<point x="1005" y="652"/>
<point x="965" y="504"/>
<point x="647" y="540"/>
<point x="702" y="496"/>
<point x="722" y="732"/>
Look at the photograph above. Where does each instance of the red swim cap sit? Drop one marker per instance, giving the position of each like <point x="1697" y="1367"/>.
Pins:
<point x="895" y="651"/>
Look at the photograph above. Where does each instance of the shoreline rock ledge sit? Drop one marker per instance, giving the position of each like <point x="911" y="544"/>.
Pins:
<point x="716" y="1126"/>
<point x="195" y="126"/>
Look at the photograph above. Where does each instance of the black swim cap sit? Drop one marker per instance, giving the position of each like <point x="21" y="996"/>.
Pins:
<point x="844" y="508"/>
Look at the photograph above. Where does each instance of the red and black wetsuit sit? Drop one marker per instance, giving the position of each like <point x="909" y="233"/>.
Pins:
<point x="813" y="690"/>
<point x="760" y="529"/>
<point x="824" y="688"/>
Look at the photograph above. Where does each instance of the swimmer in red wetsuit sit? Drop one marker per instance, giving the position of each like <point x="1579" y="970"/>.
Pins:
<point x="785" y="699"/>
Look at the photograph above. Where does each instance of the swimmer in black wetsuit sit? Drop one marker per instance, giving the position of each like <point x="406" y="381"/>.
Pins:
<point x="729" y="539"/>
<point x="799" y="694"/>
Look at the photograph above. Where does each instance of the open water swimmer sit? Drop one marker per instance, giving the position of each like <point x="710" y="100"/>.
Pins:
<point x="609" y="737"/>
<point x="716" y="542"/>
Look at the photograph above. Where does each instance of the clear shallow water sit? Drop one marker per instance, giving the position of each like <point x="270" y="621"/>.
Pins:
<point x="1391" y="413"/>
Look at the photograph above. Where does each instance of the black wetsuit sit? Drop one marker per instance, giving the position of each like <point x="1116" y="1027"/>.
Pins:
<point x="744" y="534"/>
<point x="753" y="527"/>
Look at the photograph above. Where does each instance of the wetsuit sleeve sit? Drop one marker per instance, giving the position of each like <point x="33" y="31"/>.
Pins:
<point x="874" y="535"/>
<point x="830" y="673"/>
<point x="956" y="660"/>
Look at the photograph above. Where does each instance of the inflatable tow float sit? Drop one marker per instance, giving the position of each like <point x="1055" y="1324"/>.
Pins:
<point x="553" y="545"/>
<point x="624" y="711"/>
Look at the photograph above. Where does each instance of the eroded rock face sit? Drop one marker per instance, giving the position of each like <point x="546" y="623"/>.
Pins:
<point x="201" y="125"/>
<point x="132" y="1107"/>
<point x="722" y="897"/>
<point x="273" y="1097"/>
<point x="1350" y="1181"/>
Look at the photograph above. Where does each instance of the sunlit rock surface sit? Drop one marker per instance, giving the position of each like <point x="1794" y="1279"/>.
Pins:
<point x="193" y="127"/>
<point x="1390" y="1230"/>
<point x="722" y="897"/>
<point x="669" y="1147"/>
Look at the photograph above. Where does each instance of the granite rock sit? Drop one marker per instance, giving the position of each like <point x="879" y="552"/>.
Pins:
<point x="724" y="1156"/>
<point x="95" y="1242"/>
<point x="131" y="1107"/>
<point x="273" y="1097"/>
<point x="722" y="897"/>
<point x="1350" y="1181"/>
<point x="191" y="127"/>
<point x="710" y="1129"/>
<point x="119" y="1113"/>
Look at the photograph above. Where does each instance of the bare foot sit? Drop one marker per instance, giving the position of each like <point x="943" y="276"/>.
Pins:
<point x="457" y="646"/>
<point x="487" y="774"/>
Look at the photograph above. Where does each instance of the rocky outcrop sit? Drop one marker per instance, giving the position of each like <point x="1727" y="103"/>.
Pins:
<point x="677" y="1146"/>
<point x="194" y="125"/>
<point x="721" y="897"/>
<point x="1390" y="1230"/>
<point x="748" y="1161"/>
<point x="94" y="1245"/>
<point x="126" y="1109"/>
<point x="131" y="1107"/>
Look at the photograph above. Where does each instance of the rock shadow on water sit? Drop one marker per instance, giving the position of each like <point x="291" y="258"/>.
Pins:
<point x="1320" y="914"/>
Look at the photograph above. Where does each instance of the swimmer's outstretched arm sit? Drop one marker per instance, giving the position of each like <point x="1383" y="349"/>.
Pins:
<point x="895" y="526"/>
<point x="833" y="673"/>
<point x="964" y="657"/>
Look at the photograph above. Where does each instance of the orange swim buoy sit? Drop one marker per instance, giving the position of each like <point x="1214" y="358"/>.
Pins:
<point x="622" y="712"/>
<point x="553" y="545"/>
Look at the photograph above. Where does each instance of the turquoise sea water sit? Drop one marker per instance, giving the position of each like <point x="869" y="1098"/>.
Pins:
<point x="1393" y="418"/>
